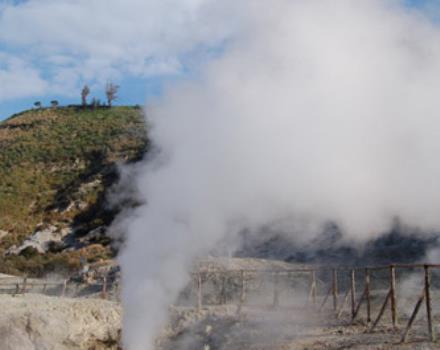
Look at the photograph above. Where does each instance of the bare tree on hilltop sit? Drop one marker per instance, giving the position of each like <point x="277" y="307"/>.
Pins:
<point x="84" y="93"/>
<point x="110" y="91"/>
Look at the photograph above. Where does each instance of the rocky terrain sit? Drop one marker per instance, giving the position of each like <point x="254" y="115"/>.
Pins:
<point x="33" y="321"/>
<point x="84" y="321"/>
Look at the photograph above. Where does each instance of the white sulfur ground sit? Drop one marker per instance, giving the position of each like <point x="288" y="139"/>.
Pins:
<point x="36" y="322"/>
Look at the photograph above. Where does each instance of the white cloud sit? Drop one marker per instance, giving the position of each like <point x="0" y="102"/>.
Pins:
<point x="105" y="39"/>
<point x="19" y="79"/>
<point x="99" y="40"/>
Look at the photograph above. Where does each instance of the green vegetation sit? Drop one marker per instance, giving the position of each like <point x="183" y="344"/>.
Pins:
<point x="55" y="165"/>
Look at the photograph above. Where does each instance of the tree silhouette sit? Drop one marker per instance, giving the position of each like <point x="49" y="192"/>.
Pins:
<point x="110" y="91"/>
<point x="84" y="93"/>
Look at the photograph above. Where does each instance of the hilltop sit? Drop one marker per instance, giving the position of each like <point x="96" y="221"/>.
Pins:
<point x="55" y="168"/>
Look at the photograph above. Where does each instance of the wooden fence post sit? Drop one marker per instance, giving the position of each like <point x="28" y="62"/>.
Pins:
<point x="313" y="287"/>
<point x="428" y="302"/>
<point x="367" y="294"/>
<point x="223" y="289"/>
<point x="353" y="293"/>
<point x="75" y="293"/>
<point x="242" y="291"/>
<point x="118" y="291"/>
<point x="104" y="288"/>
<point x="64" y="289"/>
<point x="276" y="291"/>
<point x="243" y="287"/>
<point x="199" y="292"/>
<point x="393" y="295"/>
<point x="24" y="287"/>
<point x="335" y="289"/>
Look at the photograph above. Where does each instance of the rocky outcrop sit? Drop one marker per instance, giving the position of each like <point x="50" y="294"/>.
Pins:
<point x="42" y="240"/>
<point x="52" y="238"/>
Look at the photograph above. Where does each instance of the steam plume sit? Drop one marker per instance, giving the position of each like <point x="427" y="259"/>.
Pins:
<point x="317" y="111"/>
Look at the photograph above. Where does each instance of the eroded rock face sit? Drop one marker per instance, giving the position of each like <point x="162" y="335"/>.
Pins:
<point x="42" y="239"/>
<point x="35" y="322"/>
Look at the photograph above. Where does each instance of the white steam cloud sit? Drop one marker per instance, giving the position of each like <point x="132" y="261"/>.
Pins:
<point x="317" y="111"/>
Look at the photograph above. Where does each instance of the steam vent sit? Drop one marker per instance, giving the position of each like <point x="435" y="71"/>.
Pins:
<point x="219" y="175"/>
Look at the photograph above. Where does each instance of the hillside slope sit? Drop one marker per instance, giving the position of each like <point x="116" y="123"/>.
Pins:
<point x="55" y="167"/>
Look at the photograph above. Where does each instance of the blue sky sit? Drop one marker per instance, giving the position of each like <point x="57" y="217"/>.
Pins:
<point x="50" y="48"/>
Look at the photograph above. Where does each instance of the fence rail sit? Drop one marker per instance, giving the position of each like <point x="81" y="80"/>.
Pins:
<point x="62" y="288"/>
<point x="328" y="287"/>
<point x="333" y="290"/>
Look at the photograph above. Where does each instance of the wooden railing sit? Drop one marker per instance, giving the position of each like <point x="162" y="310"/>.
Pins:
<point x="330" y="289"/>
<point x="323" y="284"/>
<point x="62" y="288"/>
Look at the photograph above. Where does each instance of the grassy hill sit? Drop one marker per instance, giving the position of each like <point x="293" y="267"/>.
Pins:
<point x="55" y="166"/>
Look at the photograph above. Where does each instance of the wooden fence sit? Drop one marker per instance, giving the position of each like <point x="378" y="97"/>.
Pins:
<point x="62" y="288"/>
<point x="323" y="284"/>
<point x="327" y="287"/>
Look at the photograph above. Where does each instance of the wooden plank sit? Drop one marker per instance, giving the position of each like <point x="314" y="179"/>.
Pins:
<point x="353" y="292"/>
<point x="199" y="292"/>
<point x="24" y="286"/>
<point x="413" y="317"/>
<point x="428" y="302"/>
<point x="242" y="291"/>
<point x="17" y="289"/>
<point x="104" y="288"/>
<point x="329" y="268"/>
<point x="327" y="296"/>
<point x="367" y="294"/>
<point x="362" y="298"/>
<point x="335" y="289"/>
<point x="64" y="289"/>
<point x="344" y="302"/>
<point x="393" y="303"/>
<point x="222" y="299"/>
<point x="313" y="287"/>
<point x="276" y="291"/>
<point x="381" y="312"/>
